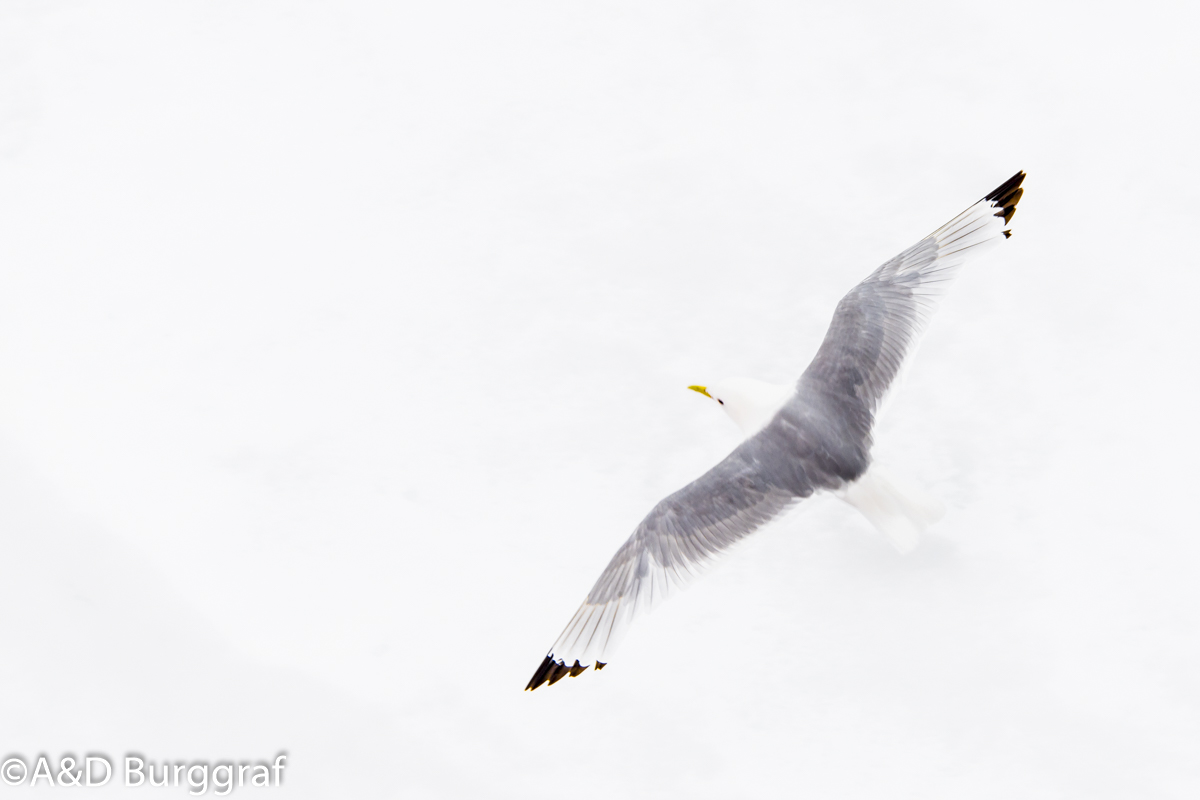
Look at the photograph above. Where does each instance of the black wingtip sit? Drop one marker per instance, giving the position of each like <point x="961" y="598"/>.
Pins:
<point x="1006" y="188"/>
<point x="551" y="672"/>
<point x="539" y="676"/>
<point x="1006" y="196"/>
<point x="557" y="673"/>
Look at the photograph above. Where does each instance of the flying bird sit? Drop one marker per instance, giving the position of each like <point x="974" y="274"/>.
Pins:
<point x="810" y="436"/>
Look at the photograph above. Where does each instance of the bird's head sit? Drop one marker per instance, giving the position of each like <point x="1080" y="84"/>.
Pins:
<point x="748" y="402"/>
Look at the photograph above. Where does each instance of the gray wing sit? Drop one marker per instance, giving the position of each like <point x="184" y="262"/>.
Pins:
<point x="793" y="456"/>
<point x="877" y="324"/>
<point x="673" y="544"/>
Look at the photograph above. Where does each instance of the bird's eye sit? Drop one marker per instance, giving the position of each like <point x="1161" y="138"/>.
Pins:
<point x="719" y="400"/>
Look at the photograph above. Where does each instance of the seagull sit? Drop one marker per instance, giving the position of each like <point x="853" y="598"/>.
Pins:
<point x="810" y="436"/>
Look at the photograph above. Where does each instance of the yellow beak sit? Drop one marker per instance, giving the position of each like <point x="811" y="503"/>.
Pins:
<point x="702" y="390"/>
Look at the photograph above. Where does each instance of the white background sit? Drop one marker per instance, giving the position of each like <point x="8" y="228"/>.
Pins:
<point x="341" y="344"/>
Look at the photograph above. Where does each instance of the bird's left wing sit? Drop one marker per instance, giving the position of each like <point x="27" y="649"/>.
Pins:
<point x="683" y="533"/>
<point x="879" y="321"/>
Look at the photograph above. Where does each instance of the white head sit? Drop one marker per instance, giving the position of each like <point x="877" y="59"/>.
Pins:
<point x="750" y="403"/>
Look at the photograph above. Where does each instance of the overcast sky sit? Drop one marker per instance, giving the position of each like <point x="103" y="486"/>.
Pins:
<point x="343" y="343"/>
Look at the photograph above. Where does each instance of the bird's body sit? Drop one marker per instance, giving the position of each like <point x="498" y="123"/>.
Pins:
<point x="812" y="436"/>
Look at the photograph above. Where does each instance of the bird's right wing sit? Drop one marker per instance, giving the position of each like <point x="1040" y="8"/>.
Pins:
<point x="879" y="321"/>
<point x="675" y="541"/>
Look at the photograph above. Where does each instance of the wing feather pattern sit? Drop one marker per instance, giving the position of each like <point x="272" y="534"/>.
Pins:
<point x="672" y="545"/>
<point x="877" y="324"/>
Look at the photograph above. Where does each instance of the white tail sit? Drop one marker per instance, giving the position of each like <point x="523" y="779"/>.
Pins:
<point x="900" y="511"/>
